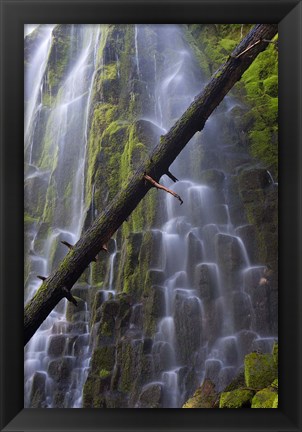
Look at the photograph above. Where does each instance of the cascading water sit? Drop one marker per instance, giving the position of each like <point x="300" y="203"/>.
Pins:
<point x="57" y="357"/>
<point x="210" y="322"/>
<point x="211" y="316"/>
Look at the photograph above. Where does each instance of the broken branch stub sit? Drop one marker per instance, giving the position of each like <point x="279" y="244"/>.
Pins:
<point x="159" y="186"/>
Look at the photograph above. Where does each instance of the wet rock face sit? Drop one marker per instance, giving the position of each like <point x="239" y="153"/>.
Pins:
<point x="195" y="255"/>
<point x="242" y="311"/>
<point x="254" y="178"/>
<point x="60" y="370"/>
<point x="38" y="390"/>
<point x="188" y="326"/>
<point x="206" y="282"/>
<point x="151" y="397"/>
<point x="35" y="189"/>
<point x="230" y="259"/>
<point x="154" y="309"/>
<point x="204" y="397"/>
<point x="57" y="344"/>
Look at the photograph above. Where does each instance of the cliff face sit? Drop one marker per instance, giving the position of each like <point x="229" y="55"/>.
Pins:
<point x="184" y="293"/>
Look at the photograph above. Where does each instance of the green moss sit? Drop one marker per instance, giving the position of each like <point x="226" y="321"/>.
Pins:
<point x="260" y="370"/>
<point x="59" y="57"/>
<point x="104" y="373"/>
<point x="103" y="359"/>
<point x="258" y="85"/>
<point x="28" y="219"/>
<point x="266" y="398"/>
<point x="204" y="397"/>
<point x="240" y="398"/>
<point x="228" y="45"/>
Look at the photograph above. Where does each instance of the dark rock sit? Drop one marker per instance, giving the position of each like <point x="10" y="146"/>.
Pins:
<point x="188" y="326"/>
<point x="81" y="291"/>
<point x="56" y="346"/>
<point x="194" y="256"/>
<point x="147" y="347"/>
<point x="212" y="370"/>
<point x="116" y="399"/>
<point x="251" y="279"/>
<point x="254" y="178"/>
<point x="73" y="313"/>
<point x="248" y="235"/>
<point x="37" y="394"/>
<point x="225" y="377"/>
<point x="227" y="347"/>
<point x="260" y="302"/>
<point x="230" y="258"/>
<point x="59" y="399"/>
<point x="213" y="323"/>
<point x="80" y="345"/>
<point x="245" y="340"/>
<point x="60" y="370"/>
<point x="154" y="309"/>
<point x="163" y="356"/>
<point x="154" y="277"/>
<point x="242" y="311"/>
<point x="151" y="396"/>
<point x="206" y="281"/>
<point x="263" y="345"/>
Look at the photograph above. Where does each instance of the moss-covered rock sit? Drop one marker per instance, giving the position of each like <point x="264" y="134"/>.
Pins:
<point x="204" y="397"/>
<point x="240" y="398"/>
<point x="103" y="358"/>
<point x="260" y="370"/>
<point x="266" y="398"/>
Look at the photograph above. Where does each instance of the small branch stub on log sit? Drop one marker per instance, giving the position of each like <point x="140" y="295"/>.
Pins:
<point x="43" y="278"/>
<point x="65" y="243"/>
<point x="69" y="296"/>
<point x="159" y="186"/>
<point x="171" y="176"/>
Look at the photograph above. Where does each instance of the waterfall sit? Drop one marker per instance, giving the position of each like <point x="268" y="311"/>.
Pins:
<point x="209" y="314"/>
<point x="61" y="348"/>
<point x="204" y="271"/>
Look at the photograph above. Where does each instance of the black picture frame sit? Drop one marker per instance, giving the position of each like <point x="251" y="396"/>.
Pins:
<point x="14" y="14"/>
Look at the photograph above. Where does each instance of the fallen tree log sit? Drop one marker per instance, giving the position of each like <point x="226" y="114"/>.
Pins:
<point x="59" y="284"/>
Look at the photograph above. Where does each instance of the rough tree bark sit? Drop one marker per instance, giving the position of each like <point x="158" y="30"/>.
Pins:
<point x="59" y="284"/>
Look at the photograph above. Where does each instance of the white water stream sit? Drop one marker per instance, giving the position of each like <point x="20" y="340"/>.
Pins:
<point x="203" y="332"/>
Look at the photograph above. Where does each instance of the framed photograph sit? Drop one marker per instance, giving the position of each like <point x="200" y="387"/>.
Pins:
<point x="150" y="212"/>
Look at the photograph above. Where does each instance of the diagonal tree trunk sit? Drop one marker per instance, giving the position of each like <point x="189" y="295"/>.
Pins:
<point x="59" y="284"/>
